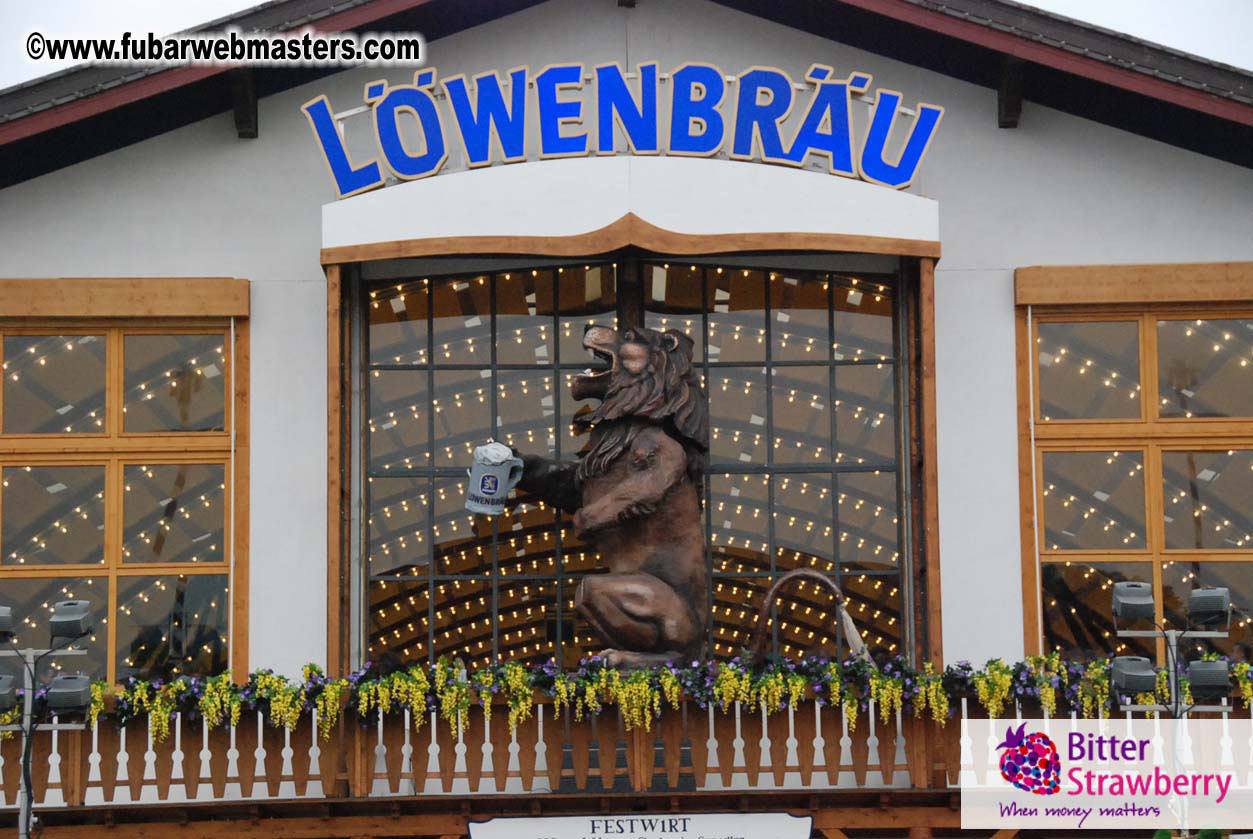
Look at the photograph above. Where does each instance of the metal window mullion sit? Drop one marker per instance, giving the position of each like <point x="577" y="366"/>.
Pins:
<point x="835" y="475"/>
<point x="904" y="542"/>
<point x="495" y="427"/>
<point x="771" y="543"/>
<point x="558" y="433"/>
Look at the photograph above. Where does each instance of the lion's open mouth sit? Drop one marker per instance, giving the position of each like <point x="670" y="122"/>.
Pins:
<point x="601" y="344"/>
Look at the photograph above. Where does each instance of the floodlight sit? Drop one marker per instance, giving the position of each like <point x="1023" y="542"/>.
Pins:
<point x="69" y="693"/>
<point x="6" y="623"/>
<point x="1132" y="674"/>
<point x="1133" y="600"/>
<point x="1209" y="680"/>
<point x="8" y="692"/>
<point x="1209" y="606"/>
<point x="71" y="619"/>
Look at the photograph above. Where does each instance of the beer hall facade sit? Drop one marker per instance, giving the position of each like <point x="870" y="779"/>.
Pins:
<point x="962" y="293"/>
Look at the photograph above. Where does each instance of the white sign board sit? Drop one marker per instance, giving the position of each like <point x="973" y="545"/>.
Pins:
<point x="648" y="826"/>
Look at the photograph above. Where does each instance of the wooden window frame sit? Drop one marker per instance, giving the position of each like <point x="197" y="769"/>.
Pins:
<point x="922" y="449"/>
<point x="128" y="306"/>
<point x="1104" y="293"/>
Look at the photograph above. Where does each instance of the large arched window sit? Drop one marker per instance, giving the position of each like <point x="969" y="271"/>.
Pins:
<point x="800" y="360"/>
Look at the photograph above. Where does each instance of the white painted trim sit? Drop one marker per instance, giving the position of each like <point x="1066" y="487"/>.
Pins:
<point x="578" y="195"/>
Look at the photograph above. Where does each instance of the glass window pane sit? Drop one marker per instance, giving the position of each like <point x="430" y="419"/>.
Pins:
<point x="1089" y="370"/>
<point x="588" y="295"/>
<point x="527" y="411"/>
<point x="397" y="522"/>
<point x="527" y="539"/>
<point x="578" y="639"/>
<point x="527" y="623"/>
<point x="735" y="604"/>
<point x="32" y="600"/>
<point x="174" y="512"/>
<point x="802" y="522"/>
<point x="463" y="414"/>
<point x="863" y="320"/>
<point x="1178" y="580"/>
<point x="397" y="326"/>
<point x="397" y="623"/>
<point x="1206" y="499"/>
<point x="463" y="620"/>
<point x="1205" y="368"/>
<point x="577" y="556"/>
<point x="1077" y="599"/>
<point x="737" y="414"/>
<point x="573" y="439"/>
<point x="463" y="540"/>
<point x="462" y="321"/>
<point x="1093" y="500"/>
<point x="672" y="300"/>
<point x="174" y="383"/>
<point x="800" y="328"/>
<point x="807" y="619"/>
<point x="865" y="414"/>
<point x="737" y="315"/>
<point x="52" y="515"/>
<point x="172" y="624"/>
<point x="801" y="398"/>
<point x="874" y="604"/>
<point x="54" y="384"/>
<point x="398" y="422"/>
<point x="524" y="317"/>
<point x="868" y="521"/>
<point x="738" y="515"/>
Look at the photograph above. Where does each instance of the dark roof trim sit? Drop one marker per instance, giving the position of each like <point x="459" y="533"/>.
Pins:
<point x="1028" y="38"/>
<point x="148" y="85"/>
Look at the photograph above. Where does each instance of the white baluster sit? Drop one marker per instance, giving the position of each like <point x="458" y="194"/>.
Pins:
<point x="513" y="770"/>
<point x="713" y="780"/>
<point x="820" y="752"/>
<point x="259" y="789"/>
<point x="94" y="793"/>
<point x="540" y="782"/>
<point x="406" y="759"/>
<point x="487" y="768"/>
<point x="461" y="781"/>
<point x="54" y="797"/>
<point x="900" y="778"/>
<point x="765" y="777"/>
<point x="286" y="772"/>
<point x="177" y="791"/>
<point x="122" y="791"/>
<point x="314" y="787"/>
<point x="234" y="790"/>
<point x="432" y="785"/>
<point x="380" y="784"/>
<point x="204" y="785"/>
<point x="966" y="775"/>
<point x="739" y="780"/>
<point x="792" y="759"/>
<point x="874" y="772"/>
<point x="847" y="777"/>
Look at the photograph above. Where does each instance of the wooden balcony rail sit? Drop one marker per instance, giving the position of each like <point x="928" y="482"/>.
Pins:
<point x="808" y="747"/>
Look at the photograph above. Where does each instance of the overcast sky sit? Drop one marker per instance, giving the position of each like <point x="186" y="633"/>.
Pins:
<point x="1221" y="30"/>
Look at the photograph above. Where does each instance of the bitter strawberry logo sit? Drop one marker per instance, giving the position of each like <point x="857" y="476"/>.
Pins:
<point x="1030" y="761"/>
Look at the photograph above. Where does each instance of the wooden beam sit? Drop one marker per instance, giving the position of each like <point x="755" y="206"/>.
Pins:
<point x="113" y="297"/>
<point x="1031" y="638"/>
<point x="244" y="102"/>
<point x="240" y="494"/>
<point x="336" y="508"/>
<point x="1009" y="92"/>
<point x="626" y="231"/>
<point x="1186" y="282"/>
<point x="930" y="455"/>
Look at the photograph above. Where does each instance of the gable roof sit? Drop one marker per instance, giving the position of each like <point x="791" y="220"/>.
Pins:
<point x="1065" y="61"/>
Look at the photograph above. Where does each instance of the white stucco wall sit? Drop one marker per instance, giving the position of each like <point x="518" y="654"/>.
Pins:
<point x="199" y="201"/>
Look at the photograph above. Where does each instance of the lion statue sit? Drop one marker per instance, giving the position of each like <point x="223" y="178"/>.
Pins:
<point x="635" y="494"/>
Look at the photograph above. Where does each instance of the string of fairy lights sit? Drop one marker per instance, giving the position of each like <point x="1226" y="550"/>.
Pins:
<point x="1095" y="500"/>
<point x="420" y="538"/>
<point x="53" y="514"/>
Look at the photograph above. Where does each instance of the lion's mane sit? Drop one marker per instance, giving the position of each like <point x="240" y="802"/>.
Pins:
<point x="668" y="393"/>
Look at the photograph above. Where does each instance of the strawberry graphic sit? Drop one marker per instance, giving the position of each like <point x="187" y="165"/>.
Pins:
<point x="1030" y="761"/>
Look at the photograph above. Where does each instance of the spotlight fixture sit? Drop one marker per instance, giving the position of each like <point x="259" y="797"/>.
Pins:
<point x="1210" y="680"/>
<point x="6" y="623"/>
<point x="70" y="619"/>
<point x="1133" y="601"/>
<point x="69" y="693"/>
<point x="8" y="692"/>
<point x="1209" y="606"/>
<point x="1133" y="674"/>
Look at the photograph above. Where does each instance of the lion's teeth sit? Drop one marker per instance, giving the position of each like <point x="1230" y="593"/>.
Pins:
<point x="588" y="372"/>
<point x="591" y="353"/>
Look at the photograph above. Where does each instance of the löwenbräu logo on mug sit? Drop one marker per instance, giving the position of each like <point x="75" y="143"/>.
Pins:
<point x="1106" y="774"/>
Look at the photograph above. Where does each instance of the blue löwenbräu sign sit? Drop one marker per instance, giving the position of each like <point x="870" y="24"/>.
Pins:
<point x="708" y="113"/>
